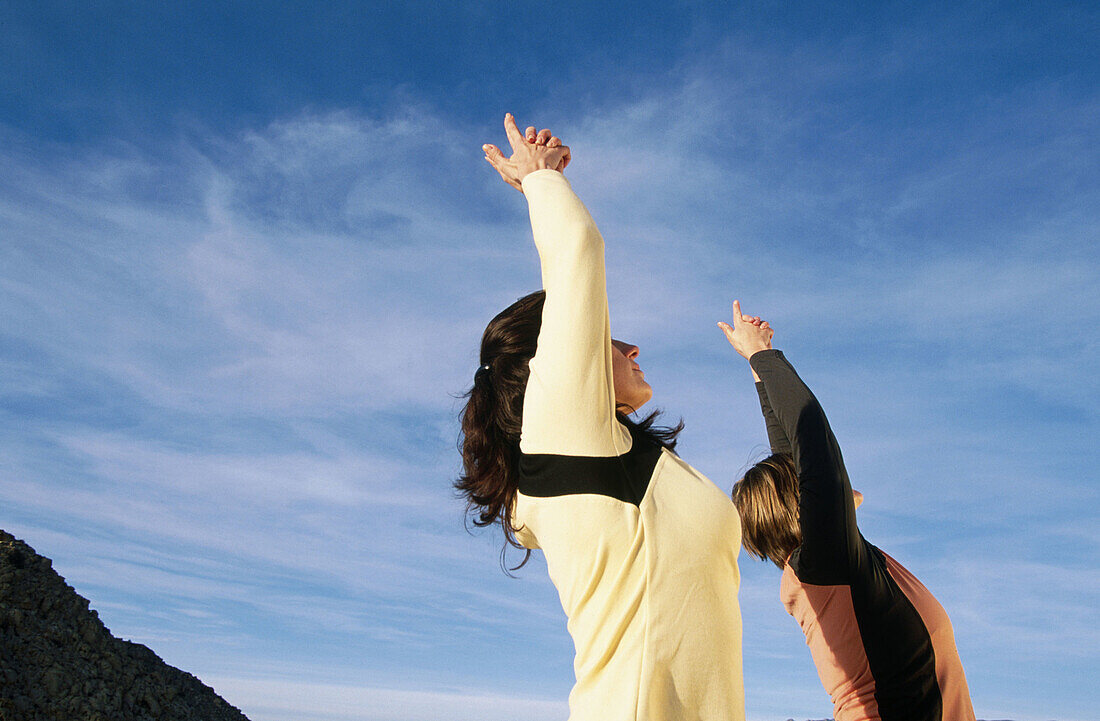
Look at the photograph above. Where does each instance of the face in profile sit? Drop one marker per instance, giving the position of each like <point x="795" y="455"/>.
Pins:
<point x="631" y="388"/>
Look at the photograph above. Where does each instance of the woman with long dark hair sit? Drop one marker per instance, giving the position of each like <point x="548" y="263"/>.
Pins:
<point x="641" y="547"/>
<point x="882" y="644"/>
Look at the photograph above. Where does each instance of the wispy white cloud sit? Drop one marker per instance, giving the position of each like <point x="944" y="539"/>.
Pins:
<point x="229" y="363"/>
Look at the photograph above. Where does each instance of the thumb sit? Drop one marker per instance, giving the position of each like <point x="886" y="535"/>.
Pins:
<point x="492" y="152"/>
<point x="727" y="329"/>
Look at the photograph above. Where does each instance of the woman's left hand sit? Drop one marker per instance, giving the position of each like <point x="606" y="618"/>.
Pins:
<point x="748" y="334"/>
<point x="530" y="152"/>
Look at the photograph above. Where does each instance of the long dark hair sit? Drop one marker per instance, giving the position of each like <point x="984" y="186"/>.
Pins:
<point x="493" y="416"/>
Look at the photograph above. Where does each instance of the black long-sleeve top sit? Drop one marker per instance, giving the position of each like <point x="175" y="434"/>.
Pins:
<point x="882" y="644"/>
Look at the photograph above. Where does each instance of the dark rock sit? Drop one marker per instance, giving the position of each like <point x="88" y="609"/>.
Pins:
<point x="58" y="660"/>
<point x="54" y="680"/>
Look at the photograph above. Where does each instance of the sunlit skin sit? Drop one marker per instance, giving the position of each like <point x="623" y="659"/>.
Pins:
<point x="631" y="389"/>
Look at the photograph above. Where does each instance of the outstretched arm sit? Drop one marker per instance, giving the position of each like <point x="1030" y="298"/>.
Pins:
<point x="826" y="509"/>
<point x="569" y="404"/>
<point x="777" y="438"/>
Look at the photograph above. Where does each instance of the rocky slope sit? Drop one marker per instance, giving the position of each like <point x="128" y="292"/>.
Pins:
<point x="59" y="662"/>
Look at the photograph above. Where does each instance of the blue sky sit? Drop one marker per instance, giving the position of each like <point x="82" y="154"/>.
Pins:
<point x="247" y="251"/>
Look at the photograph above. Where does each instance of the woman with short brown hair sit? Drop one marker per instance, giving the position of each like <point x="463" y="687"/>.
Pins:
<point x="882" y="644"/>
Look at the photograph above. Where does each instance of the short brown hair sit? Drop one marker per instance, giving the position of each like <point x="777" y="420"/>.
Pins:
<point x="767" y="499"/>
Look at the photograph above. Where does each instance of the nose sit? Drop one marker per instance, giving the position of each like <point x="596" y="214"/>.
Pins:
<point x="628" y="350"/>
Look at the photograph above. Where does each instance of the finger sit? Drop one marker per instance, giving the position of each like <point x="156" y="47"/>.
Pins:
<point x="512" y="131"/>
<point x="530" y="133"/>
<point x="498" y="161"/>
<point x="506" y="177"/>
<point x="727" y="329"/>
<point x="501" y="165"/>
<point x="492" y="151"/>
<point x="497" y="166"/>
<point x="543" y="136"/>
<point x="736" y="313"/>
<point x="554" y="157"/>
<point x="553" y="142"/>
<point x="565" y="158"/>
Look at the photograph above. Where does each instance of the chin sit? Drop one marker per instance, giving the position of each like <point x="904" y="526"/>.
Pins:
<point x="639" y="397"/>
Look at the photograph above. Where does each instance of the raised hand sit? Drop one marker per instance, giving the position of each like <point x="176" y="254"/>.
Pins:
<point x="530" y="152"/>
<point x="542" y="137"/>
<point x="545" y="137"/>
<point x="748" y="334"/>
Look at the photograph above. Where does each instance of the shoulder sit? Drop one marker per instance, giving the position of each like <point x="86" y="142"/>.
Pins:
<point x="822" y="567"/>
<point x="624" y="477"/>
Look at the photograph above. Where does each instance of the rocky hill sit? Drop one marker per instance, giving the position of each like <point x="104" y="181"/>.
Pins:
<point x="58" y="662"/>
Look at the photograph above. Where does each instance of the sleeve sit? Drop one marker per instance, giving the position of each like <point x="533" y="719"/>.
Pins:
<point x="831" y="545"/>
<point x="777" y="439"/>
<point x="569" y="404"/>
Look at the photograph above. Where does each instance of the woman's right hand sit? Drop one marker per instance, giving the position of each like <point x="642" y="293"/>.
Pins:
<point x="538" y="151"/>
<point x="748" y="334"/>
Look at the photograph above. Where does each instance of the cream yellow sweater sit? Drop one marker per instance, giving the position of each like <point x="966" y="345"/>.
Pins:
<point x="641" y="547"/>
